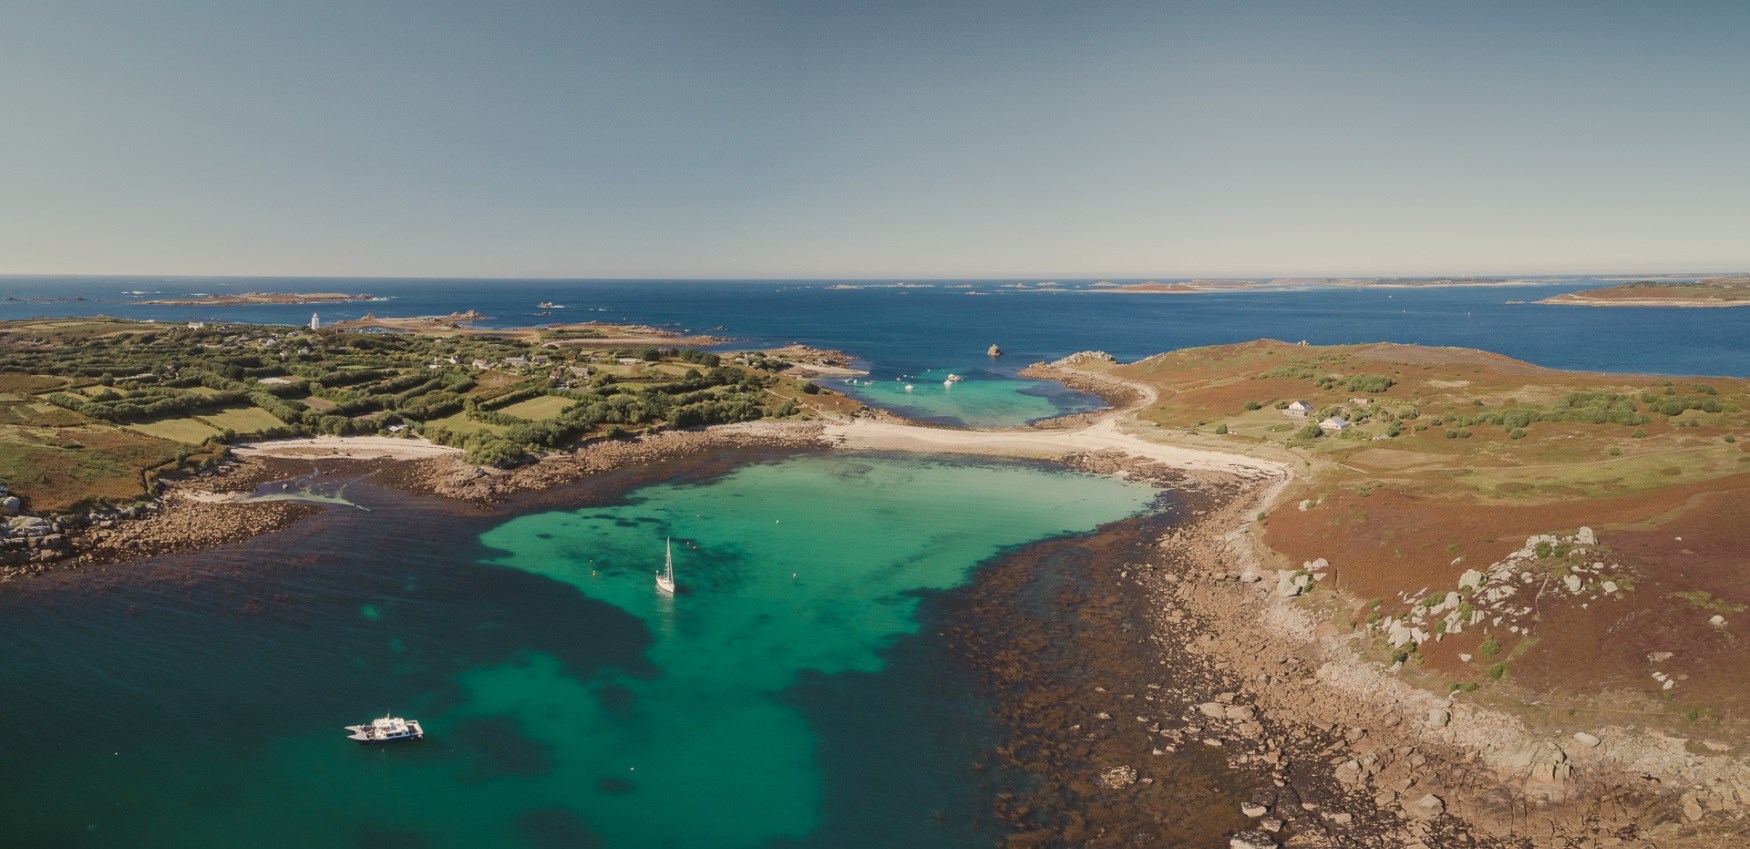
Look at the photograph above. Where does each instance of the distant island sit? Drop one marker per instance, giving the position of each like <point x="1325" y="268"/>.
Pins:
<point x="588" y="334"/>
<point x="1725" y="291"/>
<point x="245" y="299"/>
<point x="1191" y="287"/>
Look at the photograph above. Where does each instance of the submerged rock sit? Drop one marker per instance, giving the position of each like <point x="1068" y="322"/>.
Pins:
<point x="1116" y="777"/>
<point x="1252" y="840"/>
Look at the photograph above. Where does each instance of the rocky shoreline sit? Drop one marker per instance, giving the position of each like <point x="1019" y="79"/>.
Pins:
<point x="1160" y="690"/>
<point x="451" y="477"/>
<point x="1330" y="754"/>
<point x="186" y="516"/>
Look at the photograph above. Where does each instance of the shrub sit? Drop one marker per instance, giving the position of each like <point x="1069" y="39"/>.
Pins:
<point x="1640" y="434"/>
<point x="1221" y="428"/>
<point x="1516" y="433"/>
<point x="1252" y="405"/>
<point x="1310" y="432"/>
<point x="1374" y="383"/>
<point x="1615" y="451"/>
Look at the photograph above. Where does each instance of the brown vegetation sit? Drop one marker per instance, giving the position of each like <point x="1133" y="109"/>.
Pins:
<point x="1458" y="460"/>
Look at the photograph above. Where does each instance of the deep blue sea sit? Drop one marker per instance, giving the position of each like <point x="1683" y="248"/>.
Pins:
<point x="921" y="332"/>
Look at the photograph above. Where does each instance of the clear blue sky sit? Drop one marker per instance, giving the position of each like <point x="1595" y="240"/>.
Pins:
<point x="651" y="139"/>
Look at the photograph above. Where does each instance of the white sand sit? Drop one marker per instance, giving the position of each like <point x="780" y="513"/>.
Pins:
<point x="350" y="447"/>
<point x="1040" y="444"/>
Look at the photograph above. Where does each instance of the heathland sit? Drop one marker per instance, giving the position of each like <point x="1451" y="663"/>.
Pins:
<point x="1547" y="539"/>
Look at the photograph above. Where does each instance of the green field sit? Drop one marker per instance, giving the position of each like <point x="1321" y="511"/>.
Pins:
<point x="538" y="408"/>
<point x="242" y="419"/>
<point x="186" y="430"/>
<point x="460" y="423"/>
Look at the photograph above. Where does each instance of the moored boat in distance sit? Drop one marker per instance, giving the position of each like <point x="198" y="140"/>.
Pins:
<point x="665" y="578"/>
<point x="389" y="729"/>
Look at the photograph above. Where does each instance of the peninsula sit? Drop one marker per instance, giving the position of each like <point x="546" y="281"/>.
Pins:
<point x="1725" y="291"/>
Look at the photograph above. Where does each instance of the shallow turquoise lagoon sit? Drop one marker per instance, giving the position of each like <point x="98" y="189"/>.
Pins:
<point x="982" y="399"/>
<point x="808" y="565"/>
<point x="785" y="698"/>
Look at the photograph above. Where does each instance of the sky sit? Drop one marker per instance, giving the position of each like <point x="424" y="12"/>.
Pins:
<point x="522" y="138"/>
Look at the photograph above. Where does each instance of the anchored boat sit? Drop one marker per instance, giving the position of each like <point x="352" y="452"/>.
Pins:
<point x="665" y="578"/>
<point x="389" y="729"/>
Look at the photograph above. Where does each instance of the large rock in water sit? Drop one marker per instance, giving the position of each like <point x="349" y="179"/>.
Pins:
<point x="994" y="351"/>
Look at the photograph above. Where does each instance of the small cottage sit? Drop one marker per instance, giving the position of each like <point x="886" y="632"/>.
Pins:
<point x="1335" y="424"/>
<point x="1297" y="410"/>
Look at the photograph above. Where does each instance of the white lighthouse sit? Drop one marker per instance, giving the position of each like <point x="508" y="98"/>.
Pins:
<point x="315" y="323"/>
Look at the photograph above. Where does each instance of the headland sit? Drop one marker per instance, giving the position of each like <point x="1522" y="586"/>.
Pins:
<point x="1724" y="291"/>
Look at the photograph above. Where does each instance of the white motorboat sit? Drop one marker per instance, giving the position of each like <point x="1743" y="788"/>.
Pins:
<point x="389" y="729"/>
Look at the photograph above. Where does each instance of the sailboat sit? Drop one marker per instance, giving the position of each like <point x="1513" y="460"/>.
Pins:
<point x="665" y="578"/>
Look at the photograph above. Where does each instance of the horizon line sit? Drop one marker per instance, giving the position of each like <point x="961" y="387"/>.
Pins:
<point x="871" y="278"/>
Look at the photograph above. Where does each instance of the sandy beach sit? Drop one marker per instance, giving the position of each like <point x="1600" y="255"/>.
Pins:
<point x="348" y="448"/>
<point x="1104" y="435"/>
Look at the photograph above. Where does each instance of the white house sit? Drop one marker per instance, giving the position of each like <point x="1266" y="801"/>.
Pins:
<point x="1335" y="424"/>
<point x="1297" y="410"/>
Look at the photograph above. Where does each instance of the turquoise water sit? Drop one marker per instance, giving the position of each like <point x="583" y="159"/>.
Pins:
<point x="810" y="565"/>
<point x="787" y="696"/>
<point x="981" y="397"/>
